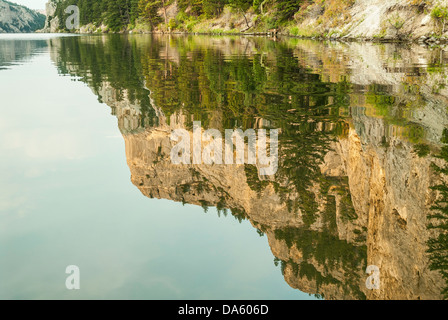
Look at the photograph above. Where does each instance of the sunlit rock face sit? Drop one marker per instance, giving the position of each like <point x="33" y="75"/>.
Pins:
<point x="52" y="21"/>
<point x="391" y="189"/>
<point x="370" y="193"/>
<point x="16" y="18"/>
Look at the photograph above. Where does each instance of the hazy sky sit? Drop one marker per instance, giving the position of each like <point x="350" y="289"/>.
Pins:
<point x="32" y="4"/>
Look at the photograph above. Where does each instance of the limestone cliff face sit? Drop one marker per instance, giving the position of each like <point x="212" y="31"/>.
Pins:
<point x="16" y="19"/>
<point x="51" y="22"/>
<point x="370" y="18"/>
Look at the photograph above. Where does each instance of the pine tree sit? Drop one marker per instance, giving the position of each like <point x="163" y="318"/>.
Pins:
<point x="213" y="8"/>
<point x="287" y="8"/>
<point x="195" y="6"/>
<point x="134" y="11"/>
<point x="438" y="220"/>
<point x="242" y="6"/>
<point x="118" y="14"/>
<point x="149" y="10"/>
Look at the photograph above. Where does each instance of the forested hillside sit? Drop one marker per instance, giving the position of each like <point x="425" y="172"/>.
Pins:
<point x="15" y="18"/>
<point x="375" y="19"/>
<point x="122" y="14"/>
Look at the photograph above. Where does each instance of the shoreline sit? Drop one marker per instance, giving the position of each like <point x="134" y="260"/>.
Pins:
<point x="432" y="41"/>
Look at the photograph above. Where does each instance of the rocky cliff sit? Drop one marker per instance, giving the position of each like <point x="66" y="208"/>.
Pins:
<point x="347" y="19"/>
<point x="51" y="24"/>
<point x="16" y="18"/>
<point x="372" y="19"/>
<point x="389" y="190"/>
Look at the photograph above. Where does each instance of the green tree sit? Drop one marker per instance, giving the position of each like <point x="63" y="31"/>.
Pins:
<point x="134" y="11"/>
<point x="438" y="220"/>
<point x="242" y="6"/>
<point x="148" y="9"/>
<point x="213" y="8"/>
<point x="117" y="15"/>
<point x="440" y="14"/>
<point x="287" y="8"/>
<point x="195" y="6"/>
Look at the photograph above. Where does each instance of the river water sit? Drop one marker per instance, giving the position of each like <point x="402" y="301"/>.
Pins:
<point x="87" y="178"/>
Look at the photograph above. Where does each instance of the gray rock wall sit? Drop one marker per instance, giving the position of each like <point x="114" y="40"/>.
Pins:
<point x="17" y="19"/>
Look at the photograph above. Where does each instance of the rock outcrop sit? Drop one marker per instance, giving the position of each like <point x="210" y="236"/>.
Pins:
<point x="334" y="19"/>
<point x="51" y="24"/>
<point x="15" y="18"/>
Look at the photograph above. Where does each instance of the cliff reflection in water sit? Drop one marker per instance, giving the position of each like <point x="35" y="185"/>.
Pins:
<point x="360" y="127"/>
<point x="16" y="50"/>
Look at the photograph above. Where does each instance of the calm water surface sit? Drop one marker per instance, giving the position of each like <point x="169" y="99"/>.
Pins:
<point x="86" y="177"/>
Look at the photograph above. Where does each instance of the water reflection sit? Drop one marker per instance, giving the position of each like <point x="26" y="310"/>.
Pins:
<point x="19" y="48"/>
<point x="14" y="51"/>
<point x="438" y="241"/>
<point x="360" y="125"/>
